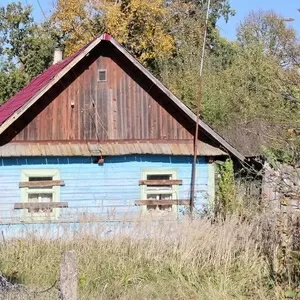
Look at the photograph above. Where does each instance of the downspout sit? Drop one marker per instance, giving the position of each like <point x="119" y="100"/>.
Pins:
<point x="199" y="98"/>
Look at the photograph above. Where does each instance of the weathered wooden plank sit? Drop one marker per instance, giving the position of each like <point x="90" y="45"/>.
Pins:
<point x="162" y="202"/>
<point x="41" y="184"/>
<point x="110" y="114"/>
<point x="54" y="80"/>
<point x="127" y="107"/>
<point x="160" y="182"/>
<point x="127" y="90"/>
<point x="104" y="112"/>
<point x="143" y="114"/>
<point x="40" y="205"/>
<point x="91" y="97"/>
<point x="80" y="108"/>
<point x="95" y="95"/>
<point x="86" y="110"/>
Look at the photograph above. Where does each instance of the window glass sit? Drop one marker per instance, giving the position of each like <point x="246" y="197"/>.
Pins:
<point x="102" y="75"/>
<point x="36" y="194"/>
<point x="158" y="191"/>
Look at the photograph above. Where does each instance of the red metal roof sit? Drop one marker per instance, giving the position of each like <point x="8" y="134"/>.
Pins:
<point x="38" y="83"/>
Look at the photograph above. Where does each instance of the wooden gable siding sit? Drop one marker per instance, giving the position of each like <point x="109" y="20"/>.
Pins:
<point x="125" y="107"/>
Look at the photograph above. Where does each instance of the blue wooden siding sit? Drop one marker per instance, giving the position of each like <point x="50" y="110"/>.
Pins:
<point x="107" y="190"/>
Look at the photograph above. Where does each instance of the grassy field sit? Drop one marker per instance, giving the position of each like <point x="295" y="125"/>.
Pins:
<point x="187" y="260"/>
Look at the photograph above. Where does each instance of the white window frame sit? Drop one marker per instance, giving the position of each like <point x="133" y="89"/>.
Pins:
<point x="159" y="171"/>
<point x="55" y="191"/>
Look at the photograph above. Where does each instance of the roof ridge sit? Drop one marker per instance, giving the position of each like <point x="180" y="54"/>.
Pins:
<point x="19" y="103"/>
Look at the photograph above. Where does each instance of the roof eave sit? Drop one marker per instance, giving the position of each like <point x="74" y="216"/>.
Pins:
<point x="165" y="90"/>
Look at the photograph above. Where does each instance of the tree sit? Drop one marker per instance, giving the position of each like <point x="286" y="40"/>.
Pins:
<point x="77" y="22"/>
<point x="248" y="89"/>
<point x="146" y="28"/>
<point x="138" y="24"/>
<point x="219" y="8"/>
<point x="25" y="48"/>
<point x="180" y="72"/>
<point x="270" y="31"/>
<point x="262" y="84"/>
<point x="244" y="82"/>
<point x="12" y="80"/>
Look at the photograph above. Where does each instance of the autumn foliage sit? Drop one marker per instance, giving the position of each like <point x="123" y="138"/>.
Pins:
<point x="137" y="24"/>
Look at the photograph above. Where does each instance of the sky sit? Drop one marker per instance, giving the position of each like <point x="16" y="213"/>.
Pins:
<point x="287" y="8"/>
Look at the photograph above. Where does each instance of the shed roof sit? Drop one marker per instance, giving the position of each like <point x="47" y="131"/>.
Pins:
<point x="18" y="104"/>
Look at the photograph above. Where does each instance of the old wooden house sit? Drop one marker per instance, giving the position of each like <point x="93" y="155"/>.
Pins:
<point x="97" y="137"/>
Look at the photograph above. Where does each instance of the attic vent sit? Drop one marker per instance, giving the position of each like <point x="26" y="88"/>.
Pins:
<point x="101" y="75"/>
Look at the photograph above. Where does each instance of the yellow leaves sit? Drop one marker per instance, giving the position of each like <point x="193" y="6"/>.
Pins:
<point x="137" y="24"/>
<point x="114" y="22"/>
<point x="67" y="14"/>
<point x="72" y="19"/>
<point x="140" y="25"/>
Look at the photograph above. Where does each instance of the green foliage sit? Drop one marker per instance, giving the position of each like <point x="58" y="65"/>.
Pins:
<point x="286" y="152"/>
<point x="226" y="196"/>
<point x="219" y="9"/>
<point x="276" y="156"/>
<point x="249" y="88"/>
<point x="255" y="79"/>
<point x="12" y="80"/>
<point x="25" y="48"/>
<point x="268" y="30"/>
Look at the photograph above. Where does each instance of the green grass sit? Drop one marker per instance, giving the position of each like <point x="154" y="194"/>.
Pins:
<point x="190" y="260"/>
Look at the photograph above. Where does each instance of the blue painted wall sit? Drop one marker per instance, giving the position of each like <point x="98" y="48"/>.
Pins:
<point x="107" y="190"/>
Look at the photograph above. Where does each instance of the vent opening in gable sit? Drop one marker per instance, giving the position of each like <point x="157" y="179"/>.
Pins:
<point x="102" y="75"/>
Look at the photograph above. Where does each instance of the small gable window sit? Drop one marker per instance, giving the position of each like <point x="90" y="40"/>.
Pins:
<point x="102" y="75"/>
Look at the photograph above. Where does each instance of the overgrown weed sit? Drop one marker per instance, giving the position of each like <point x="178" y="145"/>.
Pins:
<point x="197" y="259"/>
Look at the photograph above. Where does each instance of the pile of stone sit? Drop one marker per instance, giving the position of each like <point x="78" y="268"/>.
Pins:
<point x="7" y="286"/>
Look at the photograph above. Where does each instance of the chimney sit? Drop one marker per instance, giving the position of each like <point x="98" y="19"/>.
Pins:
<point x="58" y="55"/>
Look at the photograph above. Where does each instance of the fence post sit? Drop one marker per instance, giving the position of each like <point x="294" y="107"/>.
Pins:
<point x="68" y="277"/>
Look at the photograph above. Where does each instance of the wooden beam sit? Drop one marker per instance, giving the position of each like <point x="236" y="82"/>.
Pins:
<point x="160" y="182"/>
<point x="41" y="184"/>
<point x="162" y="202"/>
<point x="41" y="205"/>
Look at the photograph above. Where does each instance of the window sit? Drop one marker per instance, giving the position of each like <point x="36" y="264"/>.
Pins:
<point x="102" y="75"/>
<point x="155" y="189"/>
<point x="41" y="190"/>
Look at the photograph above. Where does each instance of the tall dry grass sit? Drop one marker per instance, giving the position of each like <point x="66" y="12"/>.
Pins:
<point x="163" y="260"/>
